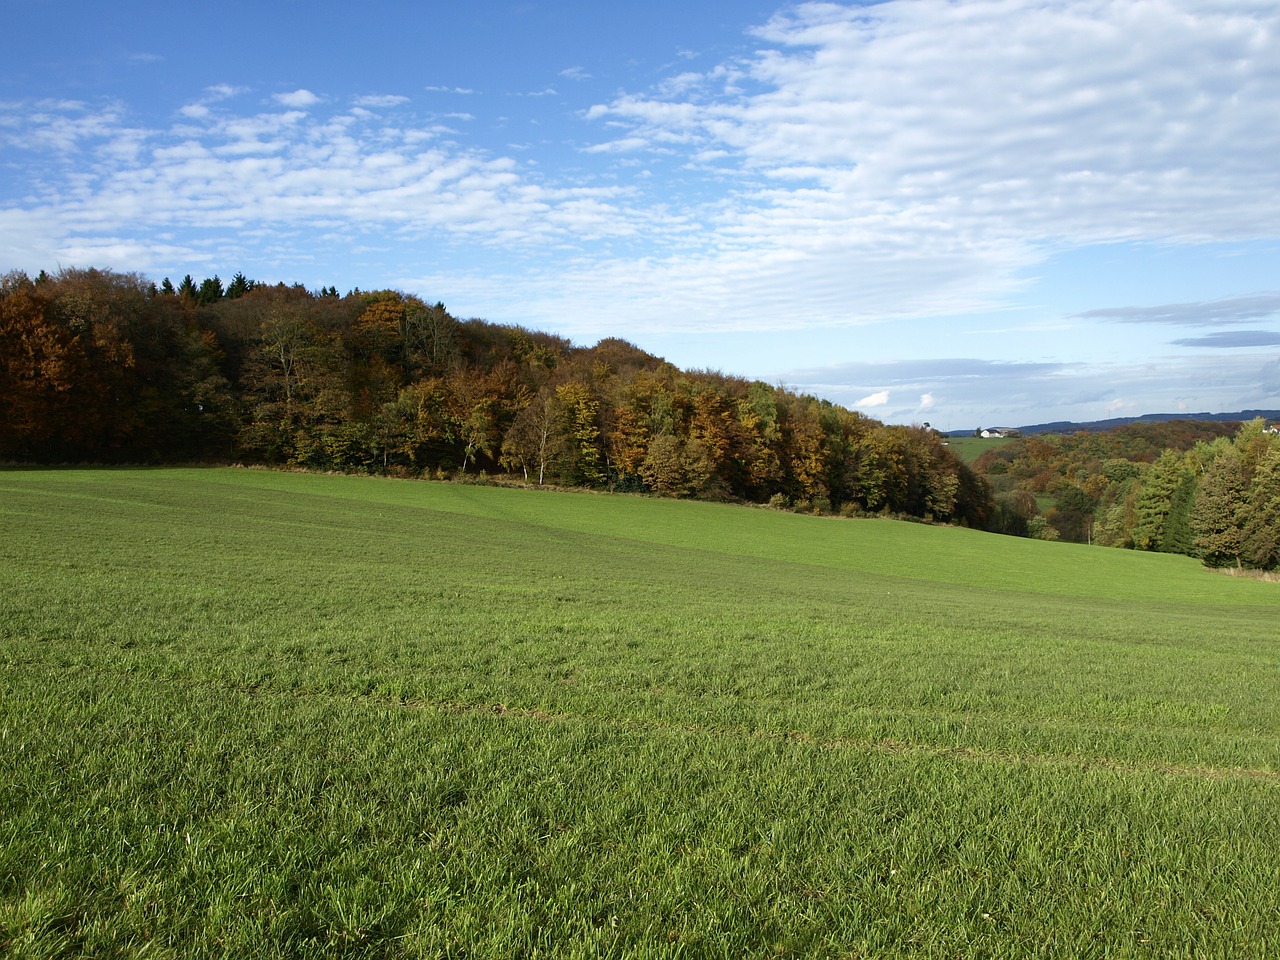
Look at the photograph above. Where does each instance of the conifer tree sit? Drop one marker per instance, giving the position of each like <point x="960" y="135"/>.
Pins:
<point x="1261" y="535"/>
<point x="1220" y="509"/>
<point x="210" y="290"/>
<point x="238" y="286"/>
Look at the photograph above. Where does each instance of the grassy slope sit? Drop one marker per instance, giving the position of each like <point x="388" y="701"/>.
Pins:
<point x="304" y="715"/>
<point x="969" y="449"/>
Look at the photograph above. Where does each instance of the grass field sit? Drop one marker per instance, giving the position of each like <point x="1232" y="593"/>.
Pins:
<point x="246" y="713"/>
<point x="968" y="449"/>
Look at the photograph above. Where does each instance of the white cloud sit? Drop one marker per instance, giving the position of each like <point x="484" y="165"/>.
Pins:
<point x="130" y="254"/>
<point x="383" y="100"/>
<point x="28" y="239"/>
<point x="625" y="145"/>
<point x="276" y="171"/>
<point x="299" y="99"/>
<point x="909" y="158"/>
<point x="63" y="126"/>
<point x="224" y="91"/>
<point x="864" y="164"/>
<point x="968" y="391"/>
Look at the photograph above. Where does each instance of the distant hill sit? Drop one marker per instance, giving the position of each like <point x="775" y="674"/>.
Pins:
<point x="1095" y="426"/>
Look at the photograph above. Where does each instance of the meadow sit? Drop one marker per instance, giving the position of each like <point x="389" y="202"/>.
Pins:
<point x="247" y="713"/>
<point x="968" y="449"/>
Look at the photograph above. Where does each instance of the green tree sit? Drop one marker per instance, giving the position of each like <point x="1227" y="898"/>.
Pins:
<point x="1260" y="544"/>
<point x="1163" y="505"/>
<point x="238" y="286"/>
<point x="1116" y="517"/>
<point x="882" y="471"/>
<point x="210" y="290"/>
<point x="583" y="455"/>
<point x="1220" y="508"/>
<point x="1072" y="513"/>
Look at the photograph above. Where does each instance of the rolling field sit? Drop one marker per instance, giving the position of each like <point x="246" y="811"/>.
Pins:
<point x="246" y="713"/>
<point x="968" y="449"/>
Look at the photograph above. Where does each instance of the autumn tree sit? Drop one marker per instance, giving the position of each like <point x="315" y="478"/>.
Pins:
<point x="99" y="366"/>
<point x="534" y="439"/>
<point x="478" y="405"/>
<point x="431" y="336"/>
<point x="759" y="423"/>
<point x="43" y="370"/>
<point x="108" y="366"/>
<point x="293" y="384"/>
<point x="583" y="456"/>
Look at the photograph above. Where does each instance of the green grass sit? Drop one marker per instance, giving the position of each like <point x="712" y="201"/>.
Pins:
<point x="252" y="713"/>
<point x="968" y="449"/>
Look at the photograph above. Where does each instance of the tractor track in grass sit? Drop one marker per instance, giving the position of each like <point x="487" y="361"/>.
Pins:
<point x="803" y="738"/>
<point x="887" y="745"/>
<point x="882" y="745"/>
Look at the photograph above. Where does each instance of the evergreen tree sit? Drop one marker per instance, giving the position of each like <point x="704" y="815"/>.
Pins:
<point x="238" y="286"/>
<point x="1164" y="501"/>
<point x="210" y="290"/>
<point x="1261" y="535"/>
<point x="1220" y="509"/>
<point x="1178" y="534"/>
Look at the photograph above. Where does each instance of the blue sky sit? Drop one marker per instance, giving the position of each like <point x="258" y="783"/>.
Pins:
<point x="969" y="213"/>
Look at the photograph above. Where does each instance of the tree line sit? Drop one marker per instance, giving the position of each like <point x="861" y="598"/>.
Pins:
<point x="1204" y="489"/>
<point x="106" y="367"/>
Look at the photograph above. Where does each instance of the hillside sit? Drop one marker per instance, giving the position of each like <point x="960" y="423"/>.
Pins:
<point x="1095" y="426"/>
<point x="1242" y="416"/>
<point x="108" y="368"/>
<point x="100" y="367"/>
<point x="257" y="712"/>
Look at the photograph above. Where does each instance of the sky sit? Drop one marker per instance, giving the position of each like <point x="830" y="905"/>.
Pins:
<point x="972" y="213"/>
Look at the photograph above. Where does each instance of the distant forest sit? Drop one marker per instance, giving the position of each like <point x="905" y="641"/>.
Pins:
<point x="1204" y="488"/>
<point x="105" y="367"/>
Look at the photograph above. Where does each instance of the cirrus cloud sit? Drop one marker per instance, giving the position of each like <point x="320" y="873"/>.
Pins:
<point x="1228" y="339"/>
<point x="1232" y="310"/>
<point x="1015" y="129"/>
